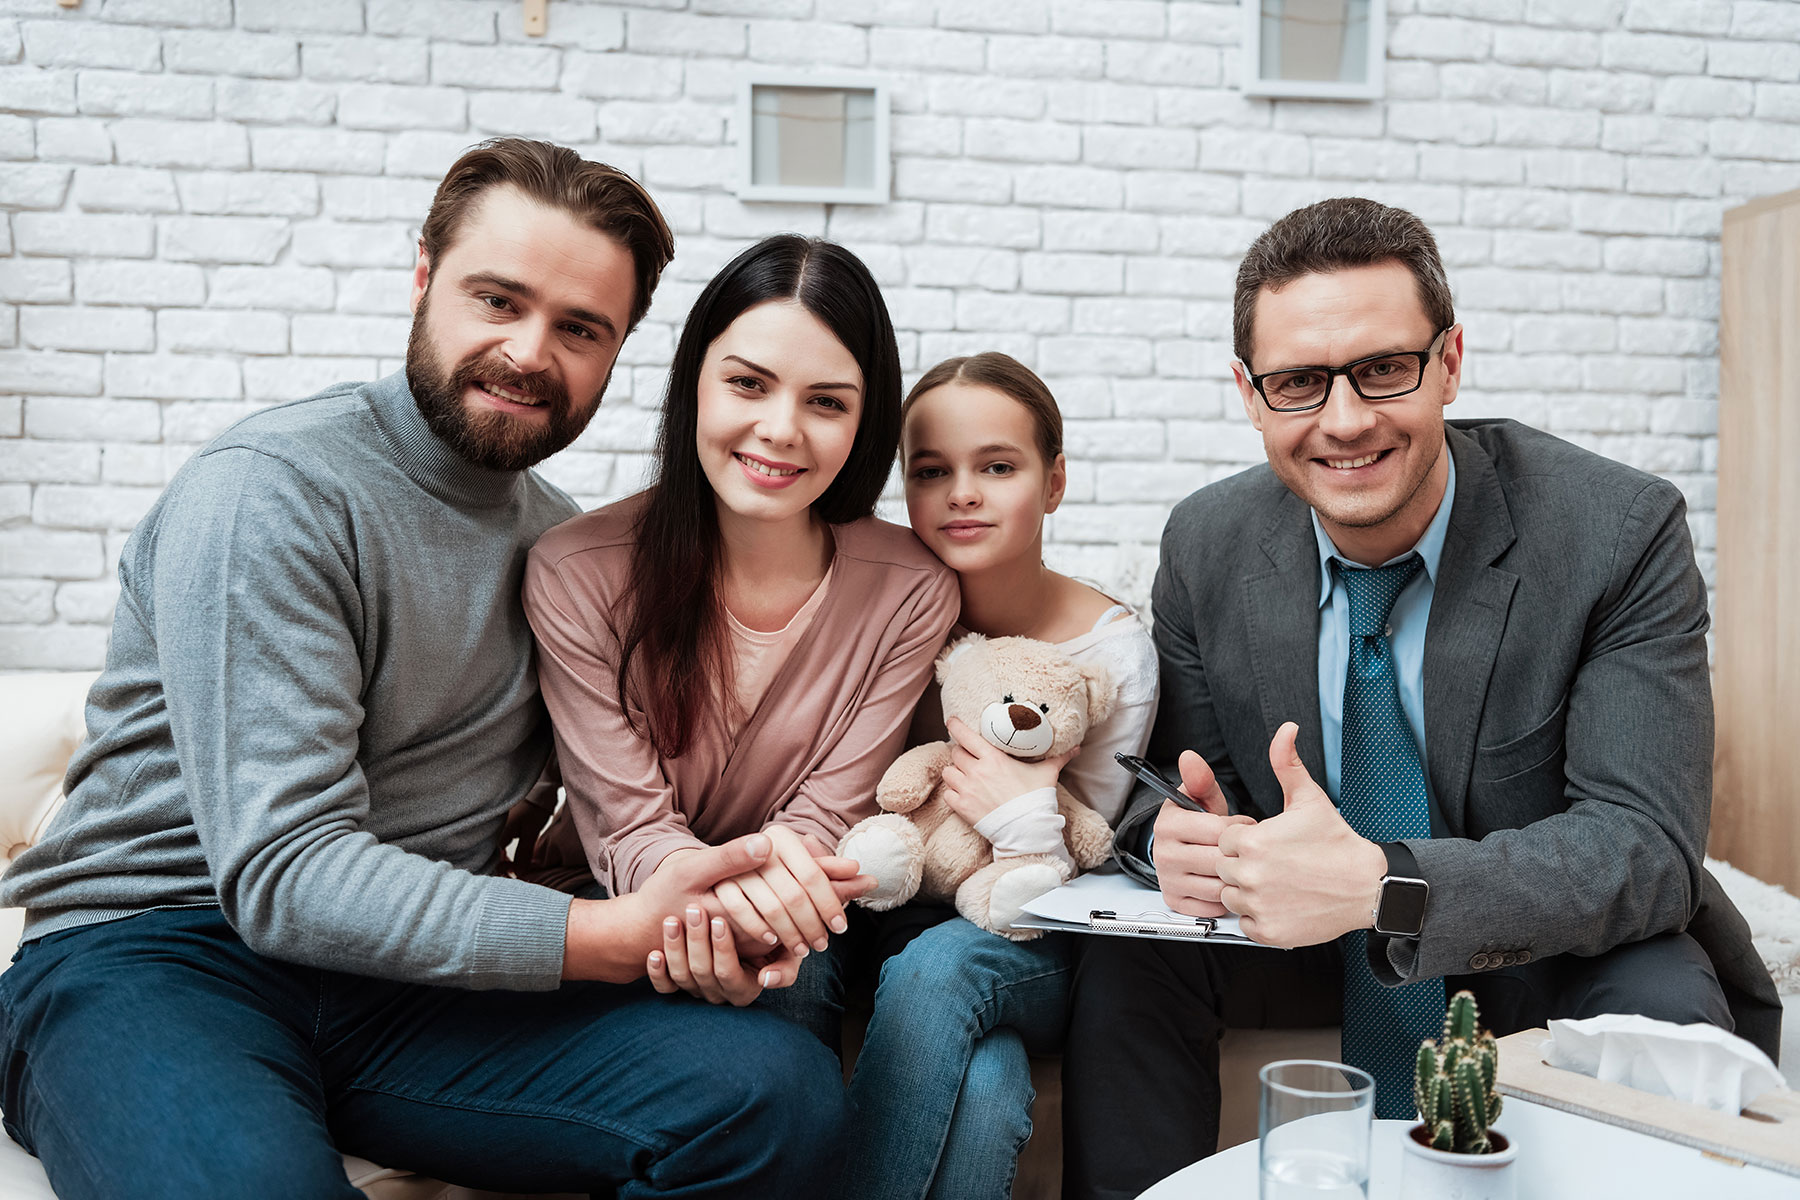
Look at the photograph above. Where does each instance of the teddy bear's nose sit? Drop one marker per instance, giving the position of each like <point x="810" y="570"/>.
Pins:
<point x="1023" y="717"/>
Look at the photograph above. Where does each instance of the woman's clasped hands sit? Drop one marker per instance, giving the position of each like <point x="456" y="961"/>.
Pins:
<point x="700" y="957"/>
<point x="753" y="930"/>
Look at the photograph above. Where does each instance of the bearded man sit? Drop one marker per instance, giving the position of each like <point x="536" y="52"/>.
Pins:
<point x="268" y="926"/>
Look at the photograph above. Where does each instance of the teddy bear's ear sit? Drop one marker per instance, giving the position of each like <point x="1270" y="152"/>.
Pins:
<point x="1101" y="692"/>
<point x="955" y="651"/>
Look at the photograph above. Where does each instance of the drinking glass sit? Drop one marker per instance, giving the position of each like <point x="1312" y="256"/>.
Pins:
<point x="1315" y="1130"/>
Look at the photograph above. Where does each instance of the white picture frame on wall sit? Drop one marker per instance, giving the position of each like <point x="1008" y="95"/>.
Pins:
<point x="1314" y="49"/>
<point x="813" y="136"/>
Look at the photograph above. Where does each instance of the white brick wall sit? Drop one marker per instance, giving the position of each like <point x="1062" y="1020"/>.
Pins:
<point x="210" y="207"/>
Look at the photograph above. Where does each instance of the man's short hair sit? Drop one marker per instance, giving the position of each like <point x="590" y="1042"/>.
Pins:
<point x="1334" y="235"/>
<point x="605" y="198"/>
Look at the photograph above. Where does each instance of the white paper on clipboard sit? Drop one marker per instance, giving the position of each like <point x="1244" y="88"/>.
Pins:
<point x="1108" y="901"/>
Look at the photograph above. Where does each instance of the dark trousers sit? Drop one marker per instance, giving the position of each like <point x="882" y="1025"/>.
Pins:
<point x="1141" y="1069"/>
<point x="159" y="1056"/>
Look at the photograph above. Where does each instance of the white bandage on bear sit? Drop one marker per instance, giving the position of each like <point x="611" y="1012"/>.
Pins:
<point x="1027" y="824"/>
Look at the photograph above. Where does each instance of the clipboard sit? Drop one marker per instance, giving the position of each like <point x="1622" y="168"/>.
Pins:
<point x="1108" y="901"/>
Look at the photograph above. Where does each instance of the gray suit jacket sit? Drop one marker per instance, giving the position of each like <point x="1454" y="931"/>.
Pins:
<point x="1568" y="710"/>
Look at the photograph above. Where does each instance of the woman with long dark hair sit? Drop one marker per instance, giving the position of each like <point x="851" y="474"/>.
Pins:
<point x="740" y="646"/>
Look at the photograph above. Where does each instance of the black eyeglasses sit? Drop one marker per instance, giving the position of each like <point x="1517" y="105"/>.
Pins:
<point x="1377" y="377"/>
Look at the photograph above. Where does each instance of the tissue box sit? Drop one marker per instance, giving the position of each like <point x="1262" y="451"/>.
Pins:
<point x="1699" y="1063"/>
<point x="1766" y="1134"/>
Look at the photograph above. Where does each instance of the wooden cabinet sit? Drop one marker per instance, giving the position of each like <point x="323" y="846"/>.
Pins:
<point x="1756" y="645"/>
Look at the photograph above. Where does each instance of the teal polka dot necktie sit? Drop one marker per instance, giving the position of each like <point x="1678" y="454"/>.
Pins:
<point x="1382" y="796"/>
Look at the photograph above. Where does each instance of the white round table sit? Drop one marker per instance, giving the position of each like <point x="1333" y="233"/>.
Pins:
<point x="1560" y="1155"/>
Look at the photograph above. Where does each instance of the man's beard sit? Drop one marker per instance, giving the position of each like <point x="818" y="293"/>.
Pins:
<point x="485" y="437"/>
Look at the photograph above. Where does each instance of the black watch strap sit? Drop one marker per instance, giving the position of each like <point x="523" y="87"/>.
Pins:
<point x="1401" y="860"/>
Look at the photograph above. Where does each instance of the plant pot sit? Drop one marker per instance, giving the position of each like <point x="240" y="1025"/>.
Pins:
<point x="1428" y="1174"/>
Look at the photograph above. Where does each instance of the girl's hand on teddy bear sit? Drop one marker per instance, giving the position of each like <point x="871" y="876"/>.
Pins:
<point x="699" y="958"/>
<point x="981" y="777"/>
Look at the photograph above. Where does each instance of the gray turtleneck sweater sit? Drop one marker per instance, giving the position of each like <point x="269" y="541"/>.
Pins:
<point x="318" y="705"/>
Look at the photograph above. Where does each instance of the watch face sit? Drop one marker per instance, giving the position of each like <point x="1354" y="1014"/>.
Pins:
<point x="1403" y="906"/>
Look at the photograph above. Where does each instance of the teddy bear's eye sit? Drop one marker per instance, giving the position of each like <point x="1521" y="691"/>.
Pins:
<point x="1006" y="699"/>
<point x="1043" y="708"/>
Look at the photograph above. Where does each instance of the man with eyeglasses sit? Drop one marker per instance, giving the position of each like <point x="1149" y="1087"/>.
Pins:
<point x="1440" y="691"/>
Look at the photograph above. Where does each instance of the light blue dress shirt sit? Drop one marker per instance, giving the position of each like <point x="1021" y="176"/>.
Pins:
<point x="1412" y="611"/>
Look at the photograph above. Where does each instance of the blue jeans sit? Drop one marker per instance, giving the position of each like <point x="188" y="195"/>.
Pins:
<point x="815" y="1000"/>
<point x="942" y="1091"/>
<point x="159" y="1056"/>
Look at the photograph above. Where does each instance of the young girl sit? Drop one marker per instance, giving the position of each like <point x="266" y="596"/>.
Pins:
<point x="740" y="647"/>
<point x="942" y="1088"/>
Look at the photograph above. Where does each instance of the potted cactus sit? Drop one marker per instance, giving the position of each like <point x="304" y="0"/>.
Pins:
<point x="1454" y="1149"/>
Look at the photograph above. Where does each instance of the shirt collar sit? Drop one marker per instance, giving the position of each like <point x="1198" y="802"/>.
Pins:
<point x="1429" y="547"/>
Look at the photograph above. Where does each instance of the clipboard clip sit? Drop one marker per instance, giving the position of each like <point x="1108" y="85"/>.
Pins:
<point x="1179" y="927"/>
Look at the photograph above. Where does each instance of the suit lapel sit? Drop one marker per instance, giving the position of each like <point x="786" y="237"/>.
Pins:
<point x="1469" y="605"/>
<point x="1282" y="605"/>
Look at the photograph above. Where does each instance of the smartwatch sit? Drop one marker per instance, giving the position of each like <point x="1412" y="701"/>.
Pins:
<point x="1400" y="908"/>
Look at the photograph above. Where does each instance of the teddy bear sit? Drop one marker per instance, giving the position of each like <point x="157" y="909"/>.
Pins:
<point x="1029" y="699"/>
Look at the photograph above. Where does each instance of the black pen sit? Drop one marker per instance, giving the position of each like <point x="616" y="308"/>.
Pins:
<point x="1158" y="782"/>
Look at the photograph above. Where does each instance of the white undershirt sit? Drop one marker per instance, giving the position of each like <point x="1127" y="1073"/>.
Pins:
<point x="1027" y="824"/>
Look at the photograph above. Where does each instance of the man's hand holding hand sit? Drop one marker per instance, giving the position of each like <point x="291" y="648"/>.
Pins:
<point x="1303" y="877"/>
<point x="1186" y="845"/>
<point x="704" y="955"/>
<point x="612" y="939"/>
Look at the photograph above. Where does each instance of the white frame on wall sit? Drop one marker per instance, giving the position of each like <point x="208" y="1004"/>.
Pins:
<point x="1314" y="89"/>
<point x="878" y="192"/>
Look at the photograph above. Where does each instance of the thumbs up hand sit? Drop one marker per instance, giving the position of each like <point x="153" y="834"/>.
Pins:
<point x="1304" y="876"/>
<point x="1297" y="787"/>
